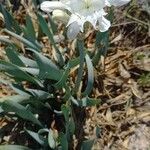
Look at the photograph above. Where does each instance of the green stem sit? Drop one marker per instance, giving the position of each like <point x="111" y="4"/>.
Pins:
<point x="80" y="46"/>
<point x="96" y="57"/>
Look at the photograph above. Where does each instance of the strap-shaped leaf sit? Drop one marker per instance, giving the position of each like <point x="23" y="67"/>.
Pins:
<point x="101" y="44"/>
<point x="65" y="110"/>
<point x="40" y="139"/>
<point x="67" y="93"/>
<point x="28" y="62"/>
<point x="10" y="22"/>
<point x="45" y="29"/>
<point x="15" y="98"/>
<point x="85" y="102"/>
<point x="87" y="145"/>
<point x="17" y="72"/>
<point x="6" y="40"/>
<point x="1" y="110"/>
<point x="35" y="2"/>
<point x="80" y="46"/>
<point x="29" y="29"/>
<point x="31" y="71"/>
<point x="51" y="139"/>
<point x="90" y="76"/>
<point x="17" y="88"/>
<point x="25" y="41"/>
<point x="63" y="141"/>
<point x="52" y="24"/>
<point x="13" y="147"/>
<point x="24" y="94"/>
<point x="39" y="94"/>
<point x="71" y="126"/>
<point x="47" y="68"/>
<point x="71" y="64"/>
<point x="20" y="110"/>
<point x="29" y="32"/>
<point x="63" y="79"/>
<point x="13" y="56"/>
<point x="69" y="122"/>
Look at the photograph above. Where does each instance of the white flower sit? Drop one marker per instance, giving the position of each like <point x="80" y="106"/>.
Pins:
<point x="117" y="2"/>
<point x="83" y="11"/>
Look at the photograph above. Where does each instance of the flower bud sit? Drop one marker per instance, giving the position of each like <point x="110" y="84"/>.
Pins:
<point x="60" y="15"/>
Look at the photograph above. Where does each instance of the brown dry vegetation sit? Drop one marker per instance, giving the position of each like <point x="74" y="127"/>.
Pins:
<point x="122" y="82"/>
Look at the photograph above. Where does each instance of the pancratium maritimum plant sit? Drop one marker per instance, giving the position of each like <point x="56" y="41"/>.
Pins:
<point x="82" y="11"/>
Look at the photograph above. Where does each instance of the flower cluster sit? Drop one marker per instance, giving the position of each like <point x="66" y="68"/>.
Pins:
<point x="82" y="11"/>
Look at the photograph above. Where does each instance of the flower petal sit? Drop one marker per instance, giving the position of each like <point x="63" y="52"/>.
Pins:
<point x="93" y="18"/>
<point x="118" y="2"/>
<point x="79" y="20"/>
<point x="48" y="6"/>
<point x="73" y="30"/>
<point x="103" y="24"/>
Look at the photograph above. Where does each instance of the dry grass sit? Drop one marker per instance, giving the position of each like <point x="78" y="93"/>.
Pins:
<point x="122" y="82"/>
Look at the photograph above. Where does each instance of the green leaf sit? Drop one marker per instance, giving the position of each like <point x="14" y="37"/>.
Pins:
<point x="35" y="2"/>
<point x="15" y="98"/>
<point x="6" y="17"/>
<point x="101" y="44"/>
<point x="17" y="72"/>
<point x="51" y="139"/>
<point x="43" y="130"/>
<point x="71" y="64"/>
<point x="80" y="46"/>
<point x="47" y="68"/>
<point x="74" y="62"/>
<point x="74" y="101"/>
<point x="63" y="79"/>
<point x="1" y="110"/>
<point x="19" y="89"/>
<point x="100" y="36"/>
<point x="85" y="102"/>
<point x="21" y="111"/>
<point x="90" y="76"/>
<point x="28" y="62"/>
<point x="71" y="126"/>
<point x="10" y="22"/>
<point x="45" y="28"/>
<point x="30" y="32"/>
<point x="13" y="147"/>
<point x="40" y="139"/>
<point x="23" y="40"/>
<point x="67" y="93"/>
<point x="46" y="31"/>
<point x="6" y="40"/>
<point x="52" y="24"/>
<point x="39" y="94"/>
<point x="87" y="145"/>
<point x="13" y="56"/>
<point x="63" y="141"/>
<point x="105" y="43"/>
<point x="65" y="110"/>
<point x="31" y="71"/>
<point x="98" y="131"/>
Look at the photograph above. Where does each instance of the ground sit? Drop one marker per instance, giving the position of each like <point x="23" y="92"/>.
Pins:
<point x="122" y="82"/>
